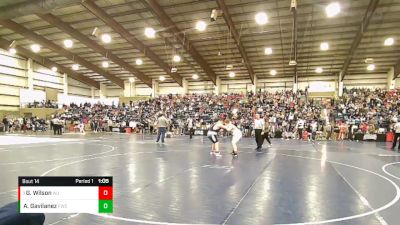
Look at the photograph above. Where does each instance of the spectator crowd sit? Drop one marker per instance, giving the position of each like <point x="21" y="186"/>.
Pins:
<point x="43" y="104"/>
<point x="289" y="114"/>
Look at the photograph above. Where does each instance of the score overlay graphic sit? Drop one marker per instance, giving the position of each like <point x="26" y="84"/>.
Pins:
<point x="65" y="194"/>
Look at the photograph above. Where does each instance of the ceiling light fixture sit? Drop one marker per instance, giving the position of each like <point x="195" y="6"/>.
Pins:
<point x="332" y="9"/>
<point x="139" y="62"/>
<point x="95" y="32"/>
<point x="75" y="67"/>
<point x="201" y="25"/>
<point x="268" y="51"/>
<point x="12" y="51"/>
<point x="319" y="70"/>
<point x="369" y="60"/>
<point x="195" y="76"/>
<point x="232" y="74"/>
<point x="131" y="79"/>
<point x="106" y="38"/>
<point x="162" y="78"/>
<point x="371" y="67"/>
<point x="214" y="15"/>
<point x="176" y="58"/>
<point x="13" y="44"/>
<point x="273" y="72"/>
<point x="35" y="48"/>
<point x="105" y="64"/>
<point x="261" y="18"/>
<point x="389" y="41"/>
<point x="150" y="32"/>
<point x="54" y="69"/>
<point x="324" y="46"/>
<point x="68" y="43"/>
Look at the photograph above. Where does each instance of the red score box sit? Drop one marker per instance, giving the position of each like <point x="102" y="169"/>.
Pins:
<point x="105" y="193"/>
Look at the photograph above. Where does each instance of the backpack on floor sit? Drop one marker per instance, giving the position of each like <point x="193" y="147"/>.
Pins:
<point x="278" y="134"/>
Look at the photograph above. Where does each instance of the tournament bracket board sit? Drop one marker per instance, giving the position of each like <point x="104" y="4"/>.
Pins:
<point x="65" y="194"/>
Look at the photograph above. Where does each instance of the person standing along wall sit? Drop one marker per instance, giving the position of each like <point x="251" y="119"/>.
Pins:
<point x="6" y="124"/>
<point x="300" y="127"/>
<point x="60" y="126"/>
<point x="266" y="131"/>
<point x="314" y="129"/>
<point x="55" y="125"/>
<point x="328" y="131"/>
<point x="190" y="127"/>
<point x="162" y="125"/>
<point x="258" y="128"/>
<point x="396" y="128"/>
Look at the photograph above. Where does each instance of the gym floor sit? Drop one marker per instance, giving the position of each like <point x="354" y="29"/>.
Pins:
<point x="179" y="182"/>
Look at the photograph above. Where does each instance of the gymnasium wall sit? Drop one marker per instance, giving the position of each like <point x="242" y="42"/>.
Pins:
<point x="44" y="78"/>
<point x="274" y="84"/>
<point x="238" y="86"/>
<point x="143" y="90"/>
<point x="170" y="88"/>
<point x="114" y="91"/>
<point x="369" y="80"/>
<point x="14" y="76"/>
<point x="79" y="89"/>
<point x="271" y="84"/>
<point x="200" y="87"/>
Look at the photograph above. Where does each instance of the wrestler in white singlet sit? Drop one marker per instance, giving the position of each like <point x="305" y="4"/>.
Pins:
<point x="236" y="135"/>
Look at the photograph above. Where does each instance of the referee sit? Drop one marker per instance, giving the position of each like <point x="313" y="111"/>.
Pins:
<point x="396" y="129"/>
<point x="190" y="127"/>
<point x="258" y="128"/>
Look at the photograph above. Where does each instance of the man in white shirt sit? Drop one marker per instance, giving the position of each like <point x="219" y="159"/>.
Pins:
<point x="110" y="124"/>
<point x="314" y="129"/>
<point x="396" y="128"/>
<point x="55" y="122"/>
<point x="300" y="127"/>
<point x="132" y="124"/>
<point x="190" y="127"/>
<point x="258" y="128"/>
<point x="162" y="124"/>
